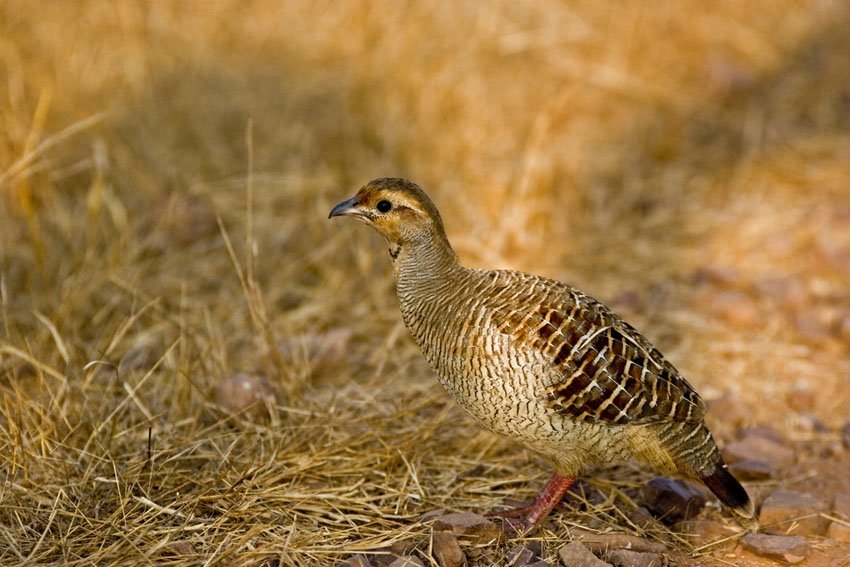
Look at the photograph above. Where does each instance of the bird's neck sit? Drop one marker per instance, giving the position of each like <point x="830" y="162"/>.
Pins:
<point x="423" y="264"/>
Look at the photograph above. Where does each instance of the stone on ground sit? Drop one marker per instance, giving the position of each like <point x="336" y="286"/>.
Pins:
<point x="447" y="550"/>
<point x="575" y="554"/>
<point x="791" y="512"/>
<point x="787" y="549"/>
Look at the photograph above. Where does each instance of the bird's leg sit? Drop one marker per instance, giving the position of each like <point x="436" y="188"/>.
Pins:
<point x="548" y="497"/>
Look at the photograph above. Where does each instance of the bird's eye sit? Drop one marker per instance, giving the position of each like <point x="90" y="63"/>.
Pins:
<point x="384" y="206"/>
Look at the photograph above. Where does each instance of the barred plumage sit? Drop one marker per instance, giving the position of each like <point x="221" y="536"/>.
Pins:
<point x="537" y="360"/>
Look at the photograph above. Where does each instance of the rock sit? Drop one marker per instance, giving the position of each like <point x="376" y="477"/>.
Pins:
<point x="673" y="500"/>
<point x="599" y="543"/>
<point x="628" y="558"/>
<point x="841" y="506"/>
<point x="752" y="469"/>
<point x="845" y="435"/>
<point x="760" y="449"/>
<point x="432" y="515"/>
<point x="358" y="560"/>
<point x="541" y="563"/>
<point x="470" y="526"/>
<point x="447" y="550"/>
<point x="574" y="554"/>
<point x="734" y="307"/>
<point x="838" y="532"/>
<point x="407" y="561"/>
<point x="790" y="512"/>
<point x="246" y="393"/>
<point x="840" y="509"/>
<point x="519" y="556"/>
<point x="403" y="547"/>
<point x="641" y="517"/>
<point x="698" y="531"/>
<point x="788" y="549"/>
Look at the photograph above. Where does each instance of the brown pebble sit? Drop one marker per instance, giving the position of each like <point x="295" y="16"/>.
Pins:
<point x="403" y="546"/>
<point x="358" y="560"/>
<point x="641" y="517"/>
<point x="790" y="512"/>
<point x="673" y="500"/>
<point x="470" y="526"/>
<point x="575" y="554"/>
<point x="841" y="506"/>
<point x="788" y="549"/>
<point x="752" y="469"/>
<point x="519" y="556"/>
<point x="699" y="531"/>
<point x="432" y="515"/>
<point x="447" y="550"/>
<point x="244" y="393"/>
<point x="598" y="543"/>
<point x="407" y="561"/>
<point x="629" y="558"/>
<point x="845" y="435"/>
<point x="838" y="532"/>
<point x="760" y="449"/>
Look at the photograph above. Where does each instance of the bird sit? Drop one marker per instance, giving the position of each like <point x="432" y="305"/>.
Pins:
<point x="540" y="362"/>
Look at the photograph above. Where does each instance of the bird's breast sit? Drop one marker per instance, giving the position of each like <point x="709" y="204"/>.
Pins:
<point x="496" y="382"/>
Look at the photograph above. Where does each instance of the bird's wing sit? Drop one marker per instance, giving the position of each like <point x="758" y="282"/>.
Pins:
<point x="602" y="369"/>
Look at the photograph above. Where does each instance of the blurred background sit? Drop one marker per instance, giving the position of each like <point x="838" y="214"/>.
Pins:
<point x="166" y="170"/>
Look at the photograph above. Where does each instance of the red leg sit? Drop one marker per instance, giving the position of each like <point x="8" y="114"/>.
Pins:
<point x="546" y="499"/>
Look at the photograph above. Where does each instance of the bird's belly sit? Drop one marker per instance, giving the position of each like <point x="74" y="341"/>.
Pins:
<point x="505" y="396"/>
<point x="509" y="398"/>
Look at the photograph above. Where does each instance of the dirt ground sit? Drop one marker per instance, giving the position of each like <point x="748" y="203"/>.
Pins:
<point x="166" y="171"/>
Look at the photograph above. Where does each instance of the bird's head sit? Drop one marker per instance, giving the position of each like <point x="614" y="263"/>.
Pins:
<point x="398" y="209"/>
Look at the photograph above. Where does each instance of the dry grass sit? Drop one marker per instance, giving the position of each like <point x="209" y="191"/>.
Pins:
<point x="166" y="170"/>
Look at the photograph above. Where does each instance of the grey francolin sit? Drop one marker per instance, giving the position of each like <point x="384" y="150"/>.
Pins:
<point x="539" y="361"/>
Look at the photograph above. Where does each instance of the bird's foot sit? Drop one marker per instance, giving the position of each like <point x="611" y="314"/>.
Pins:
<point x="522" y="519"/>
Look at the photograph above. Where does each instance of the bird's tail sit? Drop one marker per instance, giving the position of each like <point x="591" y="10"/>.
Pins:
<point x="727" y="488"/>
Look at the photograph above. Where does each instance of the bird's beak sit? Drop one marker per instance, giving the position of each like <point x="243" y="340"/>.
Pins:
<point x="348" y="207"/>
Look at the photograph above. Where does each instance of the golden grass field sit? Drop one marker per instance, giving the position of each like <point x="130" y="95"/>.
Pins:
<point x="166" y="170"/>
